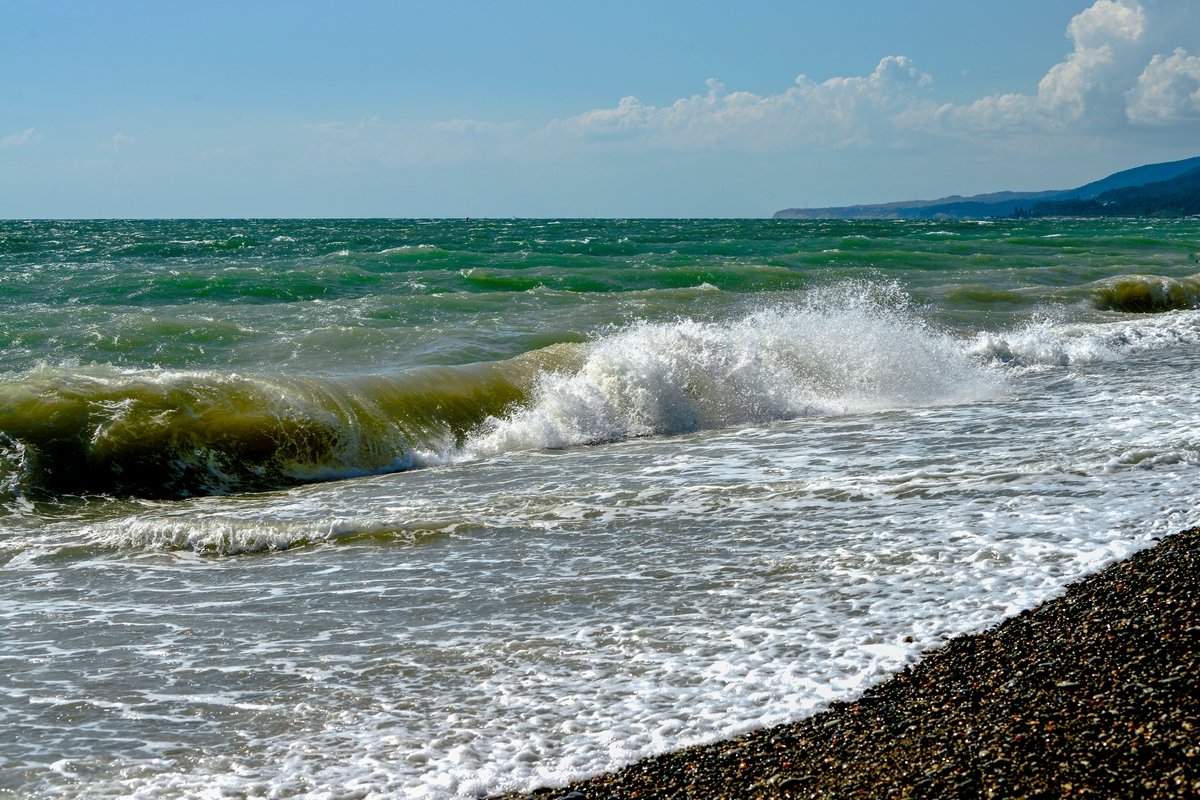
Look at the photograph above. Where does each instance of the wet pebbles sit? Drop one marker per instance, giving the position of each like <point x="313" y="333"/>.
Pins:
<point x="1095" y="694"/>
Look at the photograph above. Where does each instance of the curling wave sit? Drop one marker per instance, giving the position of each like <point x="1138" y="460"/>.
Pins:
<point x="1146" y="294"/>
<point x="155" y="433"/>
<point x="854" y="347"/>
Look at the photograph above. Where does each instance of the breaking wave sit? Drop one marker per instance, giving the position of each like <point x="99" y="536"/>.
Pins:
<point x="155" y="433"/>
<point x="1145" y="294"/>
<point x="1052" y="343"/>
<point x="855" y="347"/>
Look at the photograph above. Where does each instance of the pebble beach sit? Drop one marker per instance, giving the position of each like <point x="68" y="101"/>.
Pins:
<point x="1095" y="693"/>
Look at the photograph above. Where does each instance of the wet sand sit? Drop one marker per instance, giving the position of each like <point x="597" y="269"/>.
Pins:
<point x="1093" y="694"/>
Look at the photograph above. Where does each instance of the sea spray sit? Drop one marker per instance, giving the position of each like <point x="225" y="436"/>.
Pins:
<point x="1057" y="342"/>
<point x="853" y="347"/>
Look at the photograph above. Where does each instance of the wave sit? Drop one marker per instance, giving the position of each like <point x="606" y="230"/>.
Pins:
<point x="1143" y="294"/>
<point x="1136" y="294"/>
<point x="1054" y="343"/>
<point x="156" y="433"/>
<point x="603" y="279"/>
<point x="854" y="347"/>
<point x="182" y="248"/>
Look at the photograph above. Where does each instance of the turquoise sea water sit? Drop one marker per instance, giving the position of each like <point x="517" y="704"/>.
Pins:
<point x="382" y="508"/>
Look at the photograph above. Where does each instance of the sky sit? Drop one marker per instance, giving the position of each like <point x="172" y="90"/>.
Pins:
<point x="573" y="108"/>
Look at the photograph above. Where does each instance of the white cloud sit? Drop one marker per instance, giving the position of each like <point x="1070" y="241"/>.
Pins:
<point x="835" y="112"/>
<point x="26" y="138"/>
<point x="1114" y="76"/>
<point x="1108" y="20"/>
<point x="995" y="113"/>
<point x="1168" y="90"/>
<point x="1104" y="36"/>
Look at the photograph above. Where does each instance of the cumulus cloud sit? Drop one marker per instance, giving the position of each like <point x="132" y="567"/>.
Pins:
<point x="1115" y="76"/>
<point x="1097" y="27"/>
<point x="1168" y="90"/>
<point x="835" y="112"/>
<point x="26" y="138"/>
<point x="1104" y="35"/>
<point x="1124" y="67"/>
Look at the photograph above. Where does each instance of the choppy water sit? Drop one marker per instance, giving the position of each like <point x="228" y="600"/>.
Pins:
<point x="440" y="508"/>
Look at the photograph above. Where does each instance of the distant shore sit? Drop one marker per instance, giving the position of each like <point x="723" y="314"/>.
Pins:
<point x="1093" y="694"/>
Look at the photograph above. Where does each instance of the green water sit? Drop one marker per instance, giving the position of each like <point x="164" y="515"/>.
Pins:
<point x="165" y="358"/>
<point x="362" y="295"/>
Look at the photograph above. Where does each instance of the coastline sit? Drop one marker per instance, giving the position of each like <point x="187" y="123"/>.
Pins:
<point x="1095" y="693"/>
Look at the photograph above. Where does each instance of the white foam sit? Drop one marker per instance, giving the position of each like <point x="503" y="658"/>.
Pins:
<point x="585" y="608"/>
<point x="611" y="603"/>
<point x="14" y="466"/>
<point x="1054" y="343"/>
<point x="227" y="535"/>
<point x="852" y="348"/>
<point x="406" y="248"/>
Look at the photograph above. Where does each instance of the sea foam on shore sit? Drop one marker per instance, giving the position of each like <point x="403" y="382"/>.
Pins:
<point x="1093" y="694"/>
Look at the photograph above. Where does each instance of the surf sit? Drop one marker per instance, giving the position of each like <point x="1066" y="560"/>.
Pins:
<point x="1147" y="294"/>
<point x="169" y="433"/>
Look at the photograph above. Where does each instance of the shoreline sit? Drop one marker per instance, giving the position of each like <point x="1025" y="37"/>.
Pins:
<point x="1095" y="693"/>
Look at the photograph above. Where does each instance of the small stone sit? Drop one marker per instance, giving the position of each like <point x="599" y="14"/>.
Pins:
<point x="793" y="782"/>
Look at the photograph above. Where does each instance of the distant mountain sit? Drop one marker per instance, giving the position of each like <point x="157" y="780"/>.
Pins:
<point x="1089" y="199"/>
<point x="1138" y="176"/>
<point x="1177" y="197"/>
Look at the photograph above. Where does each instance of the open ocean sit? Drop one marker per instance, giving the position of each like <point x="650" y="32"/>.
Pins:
<point x="435" y="509"/>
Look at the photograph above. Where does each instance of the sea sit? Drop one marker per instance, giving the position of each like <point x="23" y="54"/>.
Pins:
<point x="451" y="508"/>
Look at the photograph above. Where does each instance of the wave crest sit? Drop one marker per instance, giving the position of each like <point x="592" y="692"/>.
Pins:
<point x="1050" y="343"/>
<point x="156" y="433"/>
<point x="855" y="347"/>
<point x="1147" y="294"/>
<point x="848" y="348"/>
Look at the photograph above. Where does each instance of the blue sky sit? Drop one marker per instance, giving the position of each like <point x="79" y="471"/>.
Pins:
<point x="532" y="108"/>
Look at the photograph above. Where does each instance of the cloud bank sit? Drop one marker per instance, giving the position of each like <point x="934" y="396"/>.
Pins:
<point x="836" y="112"/>
<point x="1129" y="66"/>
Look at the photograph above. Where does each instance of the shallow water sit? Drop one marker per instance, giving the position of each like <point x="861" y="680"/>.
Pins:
<point x="434" y="509"/>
